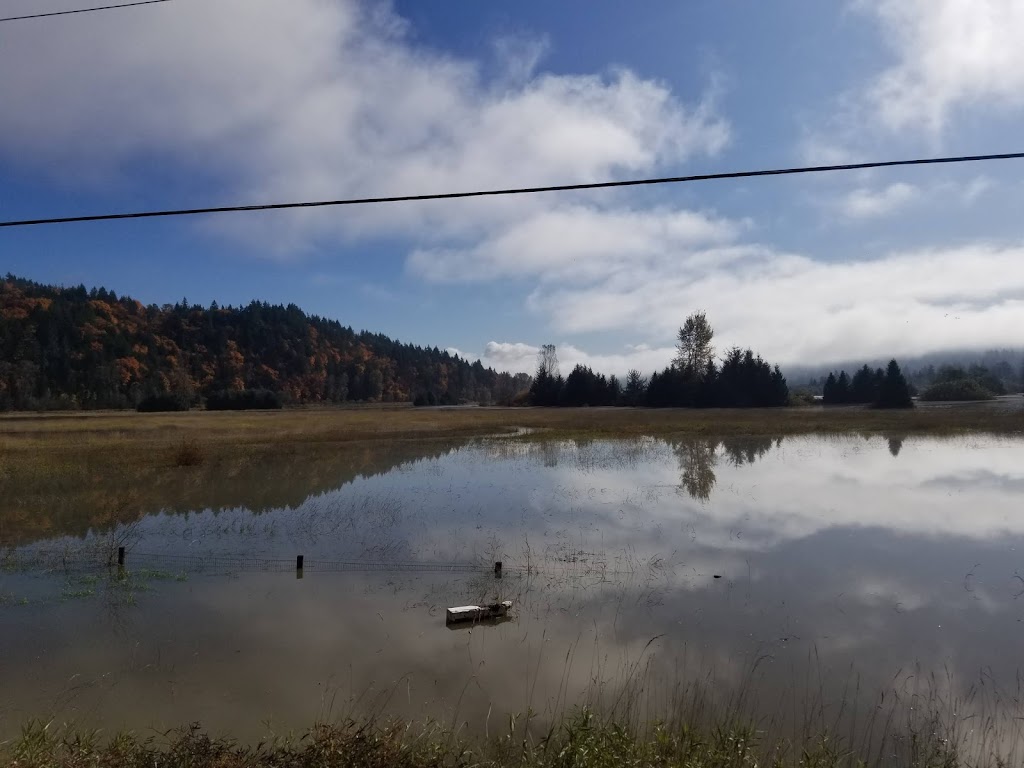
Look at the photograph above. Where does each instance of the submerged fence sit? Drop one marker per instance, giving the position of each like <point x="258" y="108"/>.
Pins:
<point x="96" y="558"/>
<point x="55" y="560"/>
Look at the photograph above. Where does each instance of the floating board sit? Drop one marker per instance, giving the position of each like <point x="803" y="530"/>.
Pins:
<point x="469" y="626"/>
<point x="463" y="613"/>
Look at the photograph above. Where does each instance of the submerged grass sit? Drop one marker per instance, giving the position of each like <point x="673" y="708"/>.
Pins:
<point x="187" y="453"/>
<point x="49" y="442"/>
<point x="584" y="740"/>
<point x="69" y="473"/>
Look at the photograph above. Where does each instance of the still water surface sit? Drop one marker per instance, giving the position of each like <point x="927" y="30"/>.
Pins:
<point x="797" y="574"/>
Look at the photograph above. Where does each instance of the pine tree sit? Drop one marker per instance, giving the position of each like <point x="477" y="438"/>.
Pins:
<point x="829" y="390"/>
<point x="894" y="392"/>
<point x="636" y="386"/>
<point x="843" y="388"/>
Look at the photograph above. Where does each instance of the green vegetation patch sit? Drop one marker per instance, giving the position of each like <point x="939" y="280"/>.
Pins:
<point x="584" y="741"/>
<point x="958" y="389"/>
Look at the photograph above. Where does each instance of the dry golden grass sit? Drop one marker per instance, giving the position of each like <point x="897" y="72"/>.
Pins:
<point x="49" y="441"/>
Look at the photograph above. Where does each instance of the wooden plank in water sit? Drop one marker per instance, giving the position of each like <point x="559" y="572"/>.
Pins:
<point x="463" y="613"/>
<point x="462" y="626"/>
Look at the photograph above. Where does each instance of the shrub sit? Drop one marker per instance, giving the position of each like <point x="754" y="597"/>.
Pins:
<point x="957" y="389"/>
<point x="244" y="400"/>
<point x="187" y="454"/>
<point x="163" y="403"/>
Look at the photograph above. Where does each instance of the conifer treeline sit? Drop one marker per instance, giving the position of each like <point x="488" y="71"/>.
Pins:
<point x="694" y="380"/>
<point x="883" y="389"/>
<point x="75" y="348"/>
<point x="743" y="381"/>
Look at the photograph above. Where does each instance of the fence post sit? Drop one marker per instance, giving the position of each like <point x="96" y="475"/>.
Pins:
<point x="298" y="567"/>
<point x="497" y="570"/>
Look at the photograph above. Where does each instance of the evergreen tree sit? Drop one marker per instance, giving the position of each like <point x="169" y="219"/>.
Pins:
<point x="863" y="387"/>
<point x="829" y="390"/>
<point x="894" y="392"/>
<point x="843" y="388"/>
<point x="614" y="391"/>
<point x="580" y="387"/>
<point x="636" y="386"/>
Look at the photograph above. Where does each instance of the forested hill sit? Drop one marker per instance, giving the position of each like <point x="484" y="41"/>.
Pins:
<point x="79" y="348"/>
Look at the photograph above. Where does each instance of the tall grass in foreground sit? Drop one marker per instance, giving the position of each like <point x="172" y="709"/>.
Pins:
<point x="583" y="741"/>
<point x="920" y="728"/>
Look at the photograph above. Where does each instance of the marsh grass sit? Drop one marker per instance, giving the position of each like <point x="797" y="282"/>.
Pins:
<point x="582" y="740"/>
<point x="46" y="442"/>
<point x="70" y="473"/>
<point x="187" y="453"/>
<point x="631" y="714"/>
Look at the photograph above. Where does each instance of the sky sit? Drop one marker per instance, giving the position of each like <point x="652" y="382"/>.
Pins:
<point x="194" y="103"/>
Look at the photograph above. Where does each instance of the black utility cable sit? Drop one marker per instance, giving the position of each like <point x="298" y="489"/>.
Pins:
<point x="514" y="191"/>
<point x="82" y="10"/>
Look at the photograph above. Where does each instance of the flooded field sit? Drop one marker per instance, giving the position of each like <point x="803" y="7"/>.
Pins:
<point x="806" y="582"/>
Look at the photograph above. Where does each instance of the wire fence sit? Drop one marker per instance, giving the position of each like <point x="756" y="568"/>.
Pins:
<point x="99" y="557"/>
<point x="55" y="560"/>
<point x="192" y="562"/>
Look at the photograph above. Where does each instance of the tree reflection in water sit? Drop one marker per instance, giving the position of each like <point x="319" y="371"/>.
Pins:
<point x="698" y="457"/>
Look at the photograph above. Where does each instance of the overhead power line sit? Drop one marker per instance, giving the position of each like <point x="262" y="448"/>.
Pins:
<point x="513" y="191"/>
<point x="82" y="10"/>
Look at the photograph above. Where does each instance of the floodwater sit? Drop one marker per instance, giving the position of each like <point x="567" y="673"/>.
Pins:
<point x="796" y="579"/>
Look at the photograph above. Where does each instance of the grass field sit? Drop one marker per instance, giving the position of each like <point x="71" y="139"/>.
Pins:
<point x="150" y="440"/>
<point x="64" y="473"/>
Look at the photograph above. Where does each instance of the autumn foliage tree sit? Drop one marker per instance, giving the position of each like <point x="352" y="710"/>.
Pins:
<point x="79" y="348"/>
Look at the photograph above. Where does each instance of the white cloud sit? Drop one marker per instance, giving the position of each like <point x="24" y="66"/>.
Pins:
<point x="575" y="243"/>
<point x="949" y="54"/>
<point x="517" y="357"/>
<point x="313" y="99"/>
<point x="949" y="59"/>
<point x="266" y="101"/>
<point x="519" y="56"/>
<point x="792" y="308"/>
<point x="975" y="188"/>
<point x="864" y="203"/>
<point x="789" y="307"/>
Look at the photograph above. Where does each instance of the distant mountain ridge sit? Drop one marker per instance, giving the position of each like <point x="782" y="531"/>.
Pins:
<point x="989" y="358"/>
<point x="79" y="348"/>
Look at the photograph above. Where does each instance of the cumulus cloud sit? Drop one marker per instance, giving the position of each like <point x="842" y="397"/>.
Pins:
<point x="949" y="54"/>
<point x="259" y="100"/>
<point x="864" y="203"/>
<point x="518" y="357"/>
<point x="793" y="308"/>
<point x="790" y="307"/>
<point x="575" y="243"/>
<point x="949" y="59"/>
<point x="313" y="99"/>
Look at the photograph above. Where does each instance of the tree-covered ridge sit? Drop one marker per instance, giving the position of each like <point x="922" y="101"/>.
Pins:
<point x="79" y="348"/>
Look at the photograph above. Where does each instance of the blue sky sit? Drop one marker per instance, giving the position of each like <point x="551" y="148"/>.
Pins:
<point x="246" y="101"/>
